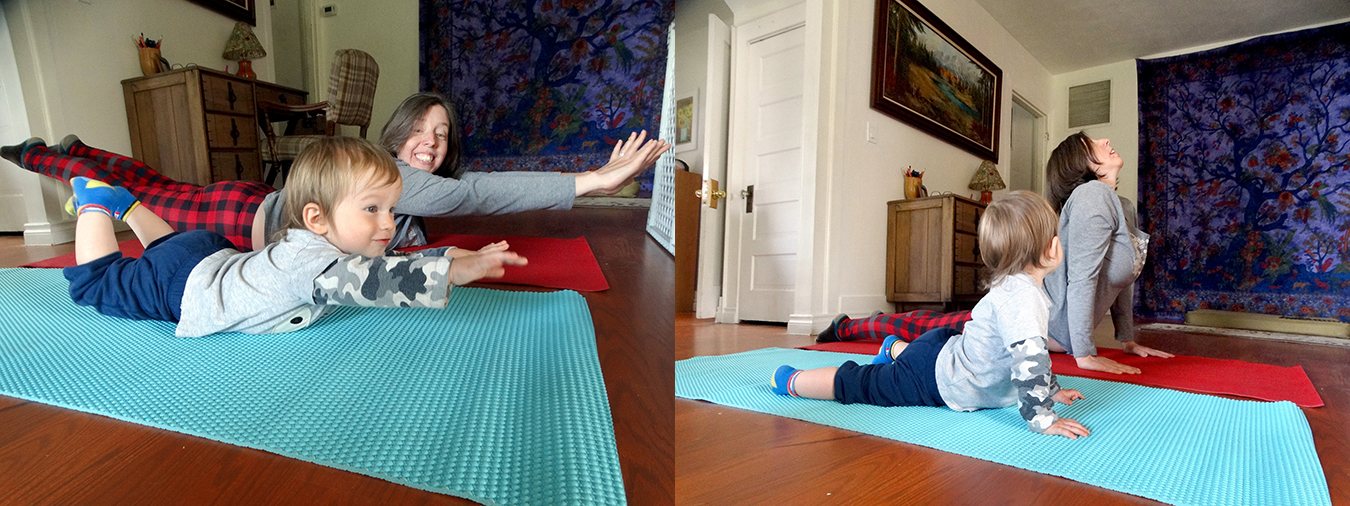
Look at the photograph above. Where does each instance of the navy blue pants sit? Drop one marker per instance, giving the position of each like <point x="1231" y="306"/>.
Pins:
<point x="145" y="288"/>
<point x="909" y="381"/>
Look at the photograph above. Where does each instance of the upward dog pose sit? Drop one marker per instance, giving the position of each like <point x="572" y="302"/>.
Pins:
<point x="999" y="360"/>
<point x="423" y="133"/>
<point x="339" y="219"/>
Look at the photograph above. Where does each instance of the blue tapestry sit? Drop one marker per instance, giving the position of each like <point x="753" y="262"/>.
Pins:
<point x="1243" y="177"/>
<point x="547" y="85"/>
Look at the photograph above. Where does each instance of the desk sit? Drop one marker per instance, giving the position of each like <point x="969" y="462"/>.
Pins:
<point x="198" y="125"/>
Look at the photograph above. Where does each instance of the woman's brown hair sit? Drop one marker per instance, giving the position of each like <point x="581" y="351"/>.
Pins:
<point x="1070" y="165"/>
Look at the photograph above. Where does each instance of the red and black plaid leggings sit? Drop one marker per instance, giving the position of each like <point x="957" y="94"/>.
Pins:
<point x="908" y="326"/>
<point x="227" y="207"/>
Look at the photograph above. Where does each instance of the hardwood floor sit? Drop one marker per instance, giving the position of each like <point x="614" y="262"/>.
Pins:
<point x="731" y="456"/>
<point x="50" y="455"/>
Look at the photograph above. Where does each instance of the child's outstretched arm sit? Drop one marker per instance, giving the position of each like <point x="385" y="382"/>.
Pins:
<point x="386" y="281"/>
<point x="1037" y="390"/>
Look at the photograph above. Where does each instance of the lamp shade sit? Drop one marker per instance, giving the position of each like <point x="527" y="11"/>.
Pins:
<point x="243" y="45"/>
<point x="987" y="178"/>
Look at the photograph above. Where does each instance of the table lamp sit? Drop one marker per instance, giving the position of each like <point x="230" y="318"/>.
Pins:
<point x="986" y="180"/>
<point x="242" y="47"/>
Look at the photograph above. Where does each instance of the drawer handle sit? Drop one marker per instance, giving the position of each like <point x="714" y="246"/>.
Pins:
<point x="238" y="168"/>
<point x="281" y="98"/>
<point x="234" y="132"/>
<point x="231" y="97"/>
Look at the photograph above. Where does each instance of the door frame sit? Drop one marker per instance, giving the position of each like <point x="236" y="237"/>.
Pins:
<point x="1040" y="135"/>
<point x="708" y="292"/>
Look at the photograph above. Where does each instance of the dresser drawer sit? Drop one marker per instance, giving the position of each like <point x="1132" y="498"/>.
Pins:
<point x="283" y="97"/>
<point x="227" y="95"/>
<point x="966" y="248"/>
<point x="966" y="216"/>
<point x="966" y="280"/>
<point x="231" y="166"/>
<point x="230" y="132"/>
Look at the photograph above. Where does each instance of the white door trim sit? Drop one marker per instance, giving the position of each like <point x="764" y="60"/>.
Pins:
<point x="715" y="112"/>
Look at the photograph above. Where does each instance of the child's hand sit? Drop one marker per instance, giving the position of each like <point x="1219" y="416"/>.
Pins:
<point x="1067" y="427"/>
<point x="1096" y="363"/>
<point x="496" y="246"/>
<point x="1067" y="396"/>
<point x="470" y="268"/>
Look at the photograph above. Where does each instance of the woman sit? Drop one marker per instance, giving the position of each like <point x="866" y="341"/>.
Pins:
<point x="1104" y="253"/>
<point x="422" y="134"/>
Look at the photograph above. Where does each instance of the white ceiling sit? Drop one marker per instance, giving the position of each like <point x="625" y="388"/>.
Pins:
<point x="1069" y="35"/>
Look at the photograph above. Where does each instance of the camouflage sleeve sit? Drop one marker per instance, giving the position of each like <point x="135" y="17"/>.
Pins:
<point x="429" y="252"/>
<point x="387" y="281"/>
<point x="1035" y="383"/>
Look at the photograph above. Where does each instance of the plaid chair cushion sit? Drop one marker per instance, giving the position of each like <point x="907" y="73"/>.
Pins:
<point x="351" y="87"/>
<point x="289" y="146"/>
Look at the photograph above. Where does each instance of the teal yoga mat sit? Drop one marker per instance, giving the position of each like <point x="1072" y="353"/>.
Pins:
<point x="498" y="399"/>
<point x="1205" y="451"/>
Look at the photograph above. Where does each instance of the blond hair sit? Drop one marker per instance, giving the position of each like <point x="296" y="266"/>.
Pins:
<point x="1015" y="231"/>
<point x="328" y="170"/>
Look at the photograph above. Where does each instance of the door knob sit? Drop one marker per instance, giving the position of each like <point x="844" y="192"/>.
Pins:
<point x="712" y="195"/>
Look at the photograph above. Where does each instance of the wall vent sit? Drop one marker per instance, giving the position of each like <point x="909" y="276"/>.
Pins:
<point x="1090" y="104"/>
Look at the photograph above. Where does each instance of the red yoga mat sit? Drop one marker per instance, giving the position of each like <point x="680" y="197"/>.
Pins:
<point x="1195" y="374"/>
<point x="554" y="263"/>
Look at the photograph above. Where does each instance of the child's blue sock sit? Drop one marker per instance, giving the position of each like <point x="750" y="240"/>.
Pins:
<point x="782" y="380"/>
<point x="884" y="357"/>
<point x="91" y="195"/>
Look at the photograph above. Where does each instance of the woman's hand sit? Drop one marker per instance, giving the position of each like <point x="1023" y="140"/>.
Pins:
<point x="625" y="161"/>
<point x="1143" y="351"/>
<point x="1096" y="363"/>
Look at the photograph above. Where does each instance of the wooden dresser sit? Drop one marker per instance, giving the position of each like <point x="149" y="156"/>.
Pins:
<point x="932" y="253"/>
<point x="199" y="125"/>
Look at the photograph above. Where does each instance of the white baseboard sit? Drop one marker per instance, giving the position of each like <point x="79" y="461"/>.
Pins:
<point x="801" y="324"/>
<point x="726" y="315"/>
<point x="863" y="305"/>
<point x="48" y="234"/>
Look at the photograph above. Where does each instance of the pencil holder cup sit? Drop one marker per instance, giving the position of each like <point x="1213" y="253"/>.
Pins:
<point x="150" y="61"/>
<point x="913" y="187"/>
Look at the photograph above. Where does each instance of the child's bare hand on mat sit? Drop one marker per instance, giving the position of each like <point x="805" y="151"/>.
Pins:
<point x="467" y="269"/>
<point x="1067" y="427"/>
<point x="1067" y="396"/>
<point x="1143" y="351"/>
<point x="1096" y="363"/>
<point x="461" y="252"/>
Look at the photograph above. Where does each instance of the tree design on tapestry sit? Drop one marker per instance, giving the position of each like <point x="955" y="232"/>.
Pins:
<point x="1244" y="181"/>
<point x="547" y="84"/>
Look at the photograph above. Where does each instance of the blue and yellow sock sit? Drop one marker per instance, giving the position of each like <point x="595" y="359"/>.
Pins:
<point x="97" y="196"/>
<point x="884" y="357"/>
<point x="782" y="380"/>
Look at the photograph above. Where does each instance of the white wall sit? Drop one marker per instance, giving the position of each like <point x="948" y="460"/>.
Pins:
<point x="691" y="61"/>
<point x="1123" y="130"/>
<point x="285" y="51"/>
<point x="72" y="56"/>
<point x="860" y="177"/>
<point x="388" y="30"/>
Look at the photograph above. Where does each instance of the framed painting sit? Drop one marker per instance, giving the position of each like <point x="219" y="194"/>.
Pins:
<point x="926" y="75"/>
<point x="238" y="10"/>
<point x="686" y="128"/>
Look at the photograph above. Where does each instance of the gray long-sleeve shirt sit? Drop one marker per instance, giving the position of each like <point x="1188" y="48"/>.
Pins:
<point x="475" y="194"/>
<point x="1103" y="254"/>
<point x="1001" y="358"/>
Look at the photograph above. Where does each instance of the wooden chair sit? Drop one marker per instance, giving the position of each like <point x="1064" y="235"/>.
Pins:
<point x="351" y="96"/>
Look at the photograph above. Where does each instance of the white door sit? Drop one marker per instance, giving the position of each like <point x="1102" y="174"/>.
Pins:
<point x="13" y="130"/>
<point x="710" y="244"/>
<point x="769" y="144"/>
